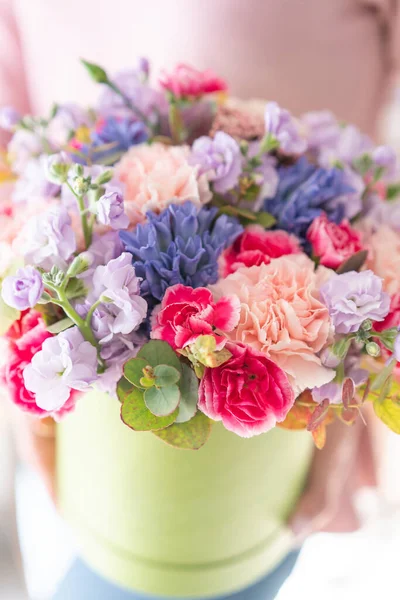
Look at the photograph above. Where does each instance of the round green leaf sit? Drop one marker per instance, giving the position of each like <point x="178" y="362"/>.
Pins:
<point x="133" y="370"/>
<point x="189" y="388"/>
<point x="166" y="375"/>
<point x="162" y="401"/>
<point x="187" y="436"/>
<point x="124" y="388"/>
<point x="137" y="416"/>
<point x="157" y="352"/>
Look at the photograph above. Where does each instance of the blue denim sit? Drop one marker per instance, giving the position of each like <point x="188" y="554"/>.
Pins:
<point x="81" y="583"/>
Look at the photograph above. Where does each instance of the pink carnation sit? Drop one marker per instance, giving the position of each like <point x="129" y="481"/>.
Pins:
<point x="186" y="313"/>
<point x="332" y="243"/>
<point x="249" y="393"/>
<point x="392" y="319"/>
<point x="282" y="315"/>
<point x="156" y="176"/>
<point x="256" y="246"/>
<point x="384" y="257"/>
<point x="187" y="82"/>
<point x="25" y="338"/>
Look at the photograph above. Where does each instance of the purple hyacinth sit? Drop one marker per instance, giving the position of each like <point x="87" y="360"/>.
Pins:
<point x="121" y="133"/>
<point x="220" y="159"/>
<point x="66" y="362"/>
<point x="180" y="245"/>
<point x="304" y="192"/>
<point x="110" y="209"/>
<point x="352" y="298"/>
<point x="282" y="127"/>
<point x="23" y="290"/>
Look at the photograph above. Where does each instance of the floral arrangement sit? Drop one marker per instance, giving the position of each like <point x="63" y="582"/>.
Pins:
<point x="199" y="259"/>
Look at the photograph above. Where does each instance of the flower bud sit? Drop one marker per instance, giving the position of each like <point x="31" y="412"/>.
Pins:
<point x="104" y="177"/>
<point x="57" y="168"/>
<point x="96" y="72"/>
<point x="373" y="349"/>
<point x="80" y="264"/>
<point x="366" y="325"/>
<point x="81" y="185"/>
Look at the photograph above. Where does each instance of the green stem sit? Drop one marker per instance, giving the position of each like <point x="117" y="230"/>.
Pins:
<point x="77" y="319"/>
<point x="87" y="233"/>
<point x="91" y="311"/>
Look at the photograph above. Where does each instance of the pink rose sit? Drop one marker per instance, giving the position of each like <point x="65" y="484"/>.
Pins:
<point x="249" y="393"/>
<point x="332" y="243"/>
<point x="25" y="338"/>
<point x="282" y="316"/>
<point x="185" y="81"/>
<point x="156" y="176"/>
<point x="186" y="313"/>
<point x="256" y="246"/>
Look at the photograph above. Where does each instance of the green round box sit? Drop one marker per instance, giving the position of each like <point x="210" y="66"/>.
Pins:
<point x="174" y="522"/>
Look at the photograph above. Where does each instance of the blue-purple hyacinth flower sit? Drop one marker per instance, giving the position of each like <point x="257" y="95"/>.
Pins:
<point x="122" y="133"/>
<point x="303" y="193"/>
<point x="180" y="245"/>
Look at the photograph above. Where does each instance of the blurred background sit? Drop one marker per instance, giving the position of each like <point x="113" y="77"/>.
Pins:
<point x="36" y="548"/>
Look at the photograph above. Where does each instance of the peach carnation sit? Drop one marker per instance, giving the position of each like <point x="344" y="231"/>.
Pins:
<point x="384" y="257"/>
<point x="158" y="175"/>
<point x="282" y="316"/>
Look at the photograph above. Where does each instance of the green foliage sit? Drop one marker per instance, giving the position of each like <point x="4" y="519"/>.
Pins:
<point x="60" y="325"/>
<point x="388" y="411"/>
<point x="393" y="191"/>
<point x="247" y="217"/>
<point x="191" y="435"/>
<point x="137" y="416"/>
<point x="133" y="371"/>
<point x="124" y="388"/>
<point x="354" y="263"/>
<point x="96" y="72"/>
<point x="157" y="352"/>
<point x="189" y="388"/>
<point x="162" y="401"/>
<point x="164" y="375"/>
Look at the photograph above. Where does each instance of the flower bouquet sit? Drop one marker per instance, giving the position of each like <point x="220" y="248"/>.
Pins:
<point x="211" y="270"/>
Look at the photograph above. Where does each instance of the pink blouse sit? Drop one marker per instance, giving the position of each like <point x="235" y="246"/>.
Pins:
<point x="306" y="54"/>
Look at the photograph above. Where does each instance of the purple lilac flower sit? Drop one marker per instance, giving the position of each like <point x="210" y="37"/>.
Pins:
<point x="110" y="210"/>
<point x="48" y="239"/>
<point x="323" y="129"/>
<point x="304" y="192"/>
<point x="123" y="309"/>
<point x="32" y="185"/>
<point x="333" y="390"/>
<point x="385" y="157"/>
<point x="121" y="133"/>
<point x="9" y="118"/>
<point x="220" y="159"/>
<point x="180" y="245"/>
<point x="280" y="124"/>
<point x="66" y="362"/>
<point x="103" y="249"/>
<point x="149" y="101"/>
<point x="352" y="298"/>
<point x="350" y="145"/>
<point x="23" y="290"/>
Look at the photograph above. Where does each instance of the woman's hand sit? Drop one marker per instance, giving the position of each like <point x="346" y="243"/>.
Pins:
<point x="344" y="465"/>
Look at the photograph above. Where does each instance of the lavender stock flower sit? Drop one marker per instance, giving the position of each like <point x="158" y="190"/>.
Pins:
<point x="48" y="239"/>
<point x="23" y="290"/>
<point x="352" y="298"/>
<point x="180" y="245"/>
<point x="110" y="210"/>
<point x="220" y="159"/>
<point x="282" y="127"/>
<point x="66" y="362"/>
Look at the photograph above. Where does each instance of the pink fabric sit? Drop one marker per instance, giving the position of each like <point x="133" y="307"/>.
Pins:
<point x="306" y="54"/>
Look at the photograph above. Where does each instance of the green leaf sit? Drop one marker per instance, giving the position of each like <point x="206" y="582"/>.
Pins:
<point x="392" y="191"/>
<point x="166" y="375"/>
<point x="354" y="263"/>
<point x="124" y="388"/>
<point x="388" y="337"/>
<point x="60" y="325"/>
<point x="162" y="401"/>
<point x="383" y="376"/>
<point x="189" y="388"/>
<point x="191" y="435"/>
<point x="157" y="352"/>
<point x="341" y="347"/>
<point x="388" y="411"/>
<point x="265" y="219"/>
<point x="75" y="289"/>
<point x="137" y="416"/>
<point x="96" y="72"/>
<point x="133" y="371"/>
